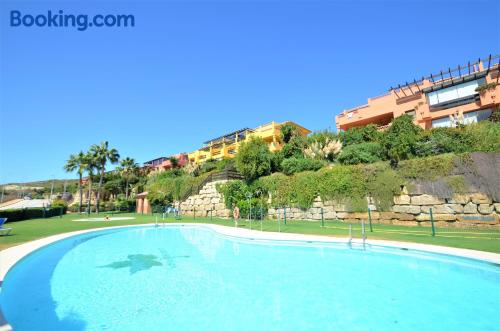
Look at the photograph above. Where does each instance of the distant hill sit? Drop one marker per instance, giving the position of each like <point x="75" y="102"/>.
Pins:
<point x="36" y="189"/>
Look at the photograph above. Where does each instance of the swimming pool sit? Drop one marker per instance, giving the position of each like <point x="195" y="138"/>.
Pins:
<point x="193" y="278"/>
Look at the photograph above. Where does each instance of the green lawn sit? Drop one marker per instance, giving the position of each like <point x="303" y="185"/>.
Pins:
<point x="479" y="239"/>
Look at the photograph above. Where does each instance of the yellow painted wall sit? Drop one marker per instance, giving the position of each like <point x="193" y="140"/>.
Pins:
<point x="227" y="149"/>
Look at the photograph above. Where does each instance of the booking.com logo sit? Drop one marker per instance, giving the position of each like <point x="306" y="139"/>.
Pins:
<point x="59" y="19"/>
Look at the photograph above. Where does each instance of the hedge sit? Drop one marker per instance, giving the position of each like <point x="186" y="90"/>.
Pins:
<point x="14" y="215"/>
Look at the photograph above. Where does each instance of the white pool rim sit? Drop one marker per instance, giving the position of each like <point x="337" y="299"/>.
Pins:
<point x="10" y="256"/>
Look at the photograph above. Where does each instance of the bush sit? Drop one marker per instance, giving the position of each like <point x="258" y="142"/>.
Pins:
<point x="382" y="183"/>
<point x="367" y="152"/>
<point x="237" y="193"/>
<point x="484" y="136"/>
<point x="14" y="215"/>
<point x="57" y="203"/>
<point x="159" y="198"/>
<point x="254" y="159"/>
<point x="294" y="165"/>
<point x="288" y="131"/>
<point x="360" y="135"/>
<point x="168" y="186"/>
<point x="256" y="206"/>
<point x="323" y="146"/>
<point x="343" y="183"/>
<point x="400" y="140"/>
<point x="495" y="116"/>
<point x="304" y="188"/>
<point x="233" y="191"/>
<point x="276" y="161"/>
<point x="279" y="186"/>
<point x="123" y="204"/>
<point x="428" y="168"/>
<point x="443" y="140"/>
<point x="294" y="147"/>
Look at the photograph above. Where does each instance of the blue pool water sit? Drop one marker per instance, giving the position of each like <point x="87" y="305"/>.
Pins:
<point x="191" y="278"/>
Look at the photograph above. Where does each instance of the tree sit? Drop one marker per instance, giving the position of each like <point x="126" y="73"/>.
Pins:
<point x="90" y="165"/>
<point x="360" y="135"/>
<point x="77" y="162"/>
<point x="294" y="147"/>
<point x="128" y="167"/>
<point x="254" y="159"/>
<point x="102" y="154"/>
<point x="401" y="139"/>
<point x="288" y="131"/>
<point x="367" y="152"/>
<point x="174" y="162"/>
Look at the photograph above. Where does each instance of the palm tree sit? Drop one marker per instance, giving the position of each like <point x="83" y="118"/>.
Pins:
<point x="103" y="154"/>
<point x="89" y="166"/>
<point x="77" y="162"/>
<point x="128" y="166"/>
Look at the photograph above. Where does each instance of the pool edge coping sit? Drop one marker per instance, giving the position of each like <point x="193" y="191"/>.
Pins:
<point x="11" y="256"/>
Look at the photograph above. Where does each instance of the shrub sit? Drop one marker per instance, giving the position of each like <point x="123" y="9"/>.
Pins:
<point x="57" y="203"/>
<point x="367" y="152"/>
<point x="14" y="215"/>
<point x="304" y="188"/>
<point x="323" y="146"/>
<point x="123" y="204"/>
<point x="343" y="183"/>
<point x="208" y="166"/>
<point x="173" y="186"/>
<point x="233" y="191"/>
<point x="443" y="140"/>
<point x="485" y="136"/>
<point x="276" y="160"/>
<point x="288" y="131"/>
<point x="294" y="165"/>
<point x="257" y="207"/>
<point x="294" y="147"/>
<point x="360" y="135"/>
<point x="279" y="187"/>
<point x="400" y="140"/>
<point x="382" y="183"/>
<point x="495" y="116"/>
<point x="428" y="168"/>
<point x="159" y="198"/>
<point x="254" y="159"/>
<point x="237" y="193"/>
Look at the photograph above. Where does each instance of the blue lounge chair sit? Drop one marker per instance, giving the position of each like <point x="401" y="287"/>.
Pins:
<point x="4" y="231"/>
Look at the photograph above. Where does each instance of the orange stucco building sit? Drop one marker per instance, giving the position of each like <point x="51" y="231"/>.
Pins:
<point x="471" y="91"/>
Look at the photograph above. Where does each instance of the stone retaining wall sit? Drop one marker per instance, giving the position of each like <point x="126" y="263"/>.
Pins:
<point x="471" y="209"/>
<point x="208" y="199"/>
<point x="409" y="209"/>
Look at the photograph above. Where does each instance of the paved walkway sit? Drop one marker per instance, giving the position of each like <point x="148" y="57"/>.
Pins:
<point x="33" y="203"/>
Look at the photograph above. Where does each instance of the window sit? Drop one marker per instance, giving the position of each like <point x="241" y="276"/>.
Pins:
<point x="454" y="92"/>
<point x="411" y="113"/>
<point x="469" y="118"/>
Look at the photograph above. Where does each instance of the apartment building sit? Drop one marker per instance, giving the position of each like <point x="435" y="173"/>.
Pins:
<point x="227" y="146"/>
<point x="165" y="163"/>
<point x="468" y="92"/>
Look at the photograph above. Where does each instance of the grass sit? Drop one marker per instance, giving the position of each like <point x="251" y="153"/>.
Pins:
<point x="478" y="239"/>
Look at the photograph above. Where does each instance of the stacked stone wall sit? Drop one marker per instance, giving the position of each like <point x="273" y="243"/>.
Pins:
<point x="471" y="209"/>
<point x="410" y="208"/>
<point x="207" y="202"/>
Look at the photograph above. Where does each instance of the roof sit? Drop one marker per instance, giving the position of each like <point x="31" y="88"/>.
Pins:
<point x="229" y="135"/>
<point x="158" y="158"/>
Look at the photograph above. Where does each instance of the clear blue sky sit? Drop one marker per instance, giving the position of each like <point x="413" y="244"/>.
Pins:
<point x="192" y="70"/>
